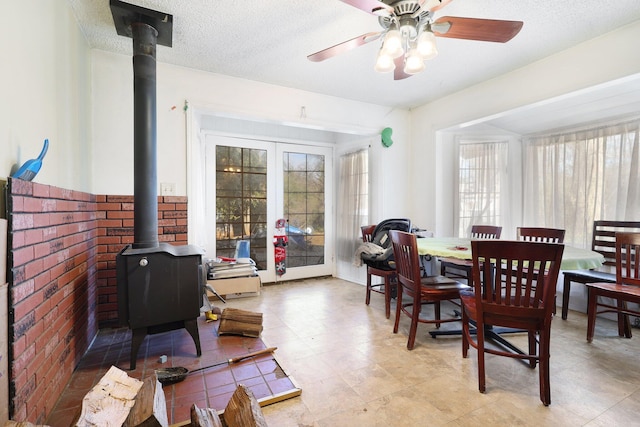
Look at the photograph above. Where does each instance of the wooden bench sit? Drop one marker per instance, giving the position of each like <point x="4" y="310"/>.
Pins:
<point x="603" y="241"/>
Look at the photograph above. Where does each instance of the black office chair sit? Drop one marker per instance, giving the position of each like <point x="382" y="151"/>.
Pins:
<point x="382" y="264"/>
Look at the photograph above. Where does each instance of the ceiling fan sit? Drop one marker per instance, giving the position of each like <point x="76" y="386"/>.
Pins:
<point x="409" y="31"/>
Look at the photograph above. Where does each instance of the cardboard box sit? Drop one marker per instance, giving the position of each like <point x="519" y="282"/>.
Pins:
<point x="236" y="287"/>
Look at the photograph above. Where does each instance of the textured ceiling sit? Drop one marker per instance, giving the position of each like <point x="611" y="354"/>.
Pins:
<point x="269" y="40"/>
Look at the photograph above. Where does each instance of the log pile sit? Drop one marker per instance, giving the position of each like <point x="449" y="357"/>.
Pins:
<point x="121" y="401"/>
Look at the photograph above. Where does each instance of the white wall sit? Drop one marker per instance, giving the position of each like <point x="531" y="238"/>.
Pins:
<point x="609" y="57"/>
<point x="227" y="96"/>
<point x="45" y="78"/>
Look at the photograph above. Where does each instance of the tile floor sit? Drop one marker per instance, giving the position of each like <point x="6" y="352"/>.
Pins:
<point x="354" y="371"/>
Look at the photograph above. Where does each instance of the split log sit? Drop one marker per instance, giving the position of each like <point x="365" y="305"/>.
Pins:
<point x="243" y="409"/>
<point x="205" y="417"/>
<point x="234" y="321"/>
<point x="121" y="401"/>
<point x="150" y="408"/>
<point x="109" y="402"/>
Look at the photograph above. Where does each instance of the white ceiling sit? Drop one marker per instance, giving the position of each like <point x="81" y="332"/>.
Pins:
<point x="269" y="40"/>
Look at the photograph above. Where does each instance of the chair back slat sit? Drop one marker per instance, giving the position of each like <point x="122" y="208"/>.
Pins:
<point x="627" y="262"/>
<point x="541" y="234"/>
<point x="405" y="248"/>
<point x="486" y="232"/>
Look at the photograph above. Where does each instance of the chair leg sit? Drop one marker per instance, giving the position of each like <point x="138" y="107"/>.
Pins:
<point x="533" y="349"/>
<point x="624" y="325"/>
<point x="436" y="310"/>
<point x="398" y="309"/>
<point x="465" y="333"/>
<point x="480" y="343"/>
<point x="566" y="290"/>
<point x="415" y="315"/>
<point x="387" y="295"/>
<point x="545" y="387"/>
<point x="368" y="294"/>
<point x="591" y="313"/>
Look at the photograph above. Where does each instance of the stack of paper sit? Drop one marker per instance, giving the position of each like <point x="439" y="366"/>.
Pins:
<point x="228" y="268"/>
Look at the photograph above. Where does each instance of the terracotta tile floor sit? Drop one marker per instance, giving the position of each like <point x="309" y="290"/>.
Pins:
<point x="211" y="387"/>
<point x="354" y="371"/>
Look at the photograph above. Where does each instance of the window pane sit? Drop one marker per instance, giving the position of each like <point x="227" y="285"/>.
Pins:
<point x="480" y="184"/>
<point x="241" y="201"/>
<point x="304" y="208"/>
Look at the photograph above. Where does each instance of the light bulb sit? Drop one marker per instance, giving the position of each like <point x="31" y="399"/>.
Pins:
<point x="427" y="45"/>
<point x="392" y="44"/>
<point x="413" y="62"/>
<point x="384" y="63"/>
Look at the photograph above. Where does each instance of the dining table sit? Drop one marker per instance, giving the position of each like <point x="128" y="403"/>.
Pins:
<point x="455" y="247"/>
<point x="573" y="258"/>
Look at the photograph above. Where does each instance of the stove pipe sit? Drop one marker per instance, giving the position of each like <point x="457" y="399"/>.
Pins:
<point x="145" y="177"/>
<point x="147" y="28"/>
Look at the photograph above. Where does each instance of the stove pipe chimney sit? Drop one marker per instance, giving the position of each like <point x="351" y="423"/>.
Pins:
<point x="146" y="27"/>
<point x="145" y="176"/>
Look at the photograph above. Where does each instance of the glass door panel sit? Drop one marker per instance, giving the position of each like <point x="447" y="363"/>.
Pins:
<point x="252" y="183"/>
<point x="306" y="195"/>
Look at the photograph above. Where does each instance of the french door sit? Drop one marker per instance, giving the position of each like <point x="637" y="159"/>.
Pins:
<point x="251" y="183"/>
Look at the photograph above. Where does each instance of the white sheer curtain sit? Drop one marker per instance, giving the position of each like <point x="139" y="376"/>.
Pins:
<point x="482" y="185"/>
<point x="197" y="197"/>
<point x="575" y="177"/>
<point x="353" y="202"/>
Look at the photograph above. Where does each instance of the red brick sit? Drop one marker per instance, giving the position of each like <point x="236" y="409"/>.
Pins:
<point x="23" y="256"/>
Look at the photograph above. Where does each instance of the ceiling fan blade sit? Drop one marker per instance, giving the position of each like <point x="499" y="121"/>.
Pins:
<point x="430" y="5"/>
<point x="488" y="30"/>
<point x="374" y="7"/>
<point x="344" y="47"/>
<point x="436" y="7"/>
<point x="398" y="72"/>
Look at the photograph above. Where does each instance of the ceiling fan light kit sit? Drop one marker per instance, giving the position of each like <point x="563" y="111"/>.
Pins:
<point x="406" y="43"/>
<point x="409" y="33"/>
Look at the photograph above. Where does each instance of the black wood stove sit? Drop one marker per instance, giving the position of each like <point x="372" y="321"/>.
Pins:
<point x="160" y="286"/>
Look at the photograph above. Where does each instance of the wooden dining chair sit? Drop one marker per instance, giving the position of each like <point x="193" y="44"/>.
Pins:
<point x="625" y="290"/>
<point x="383" y="268"/>
<point x="417" y="289"/>
<point x="461" y="268"/>
<point x="388" y="276"/>
<point x="602" y="241"/>
<point x="540" y="234"/>
<point x="508" y="292"/>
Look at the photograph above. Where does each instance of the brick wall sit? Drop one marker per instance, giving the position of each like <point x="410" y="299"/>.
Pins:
<point x="116" y="231"/>
<point x="62" y="248"/>
<point x="52" y="294"/>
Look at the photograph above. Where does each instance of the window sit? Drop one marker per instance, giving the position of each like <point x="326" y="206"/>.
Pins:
<point x="241" y="201"/>
<point x="482" y="184"/>
<point x="578" y="176"/>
